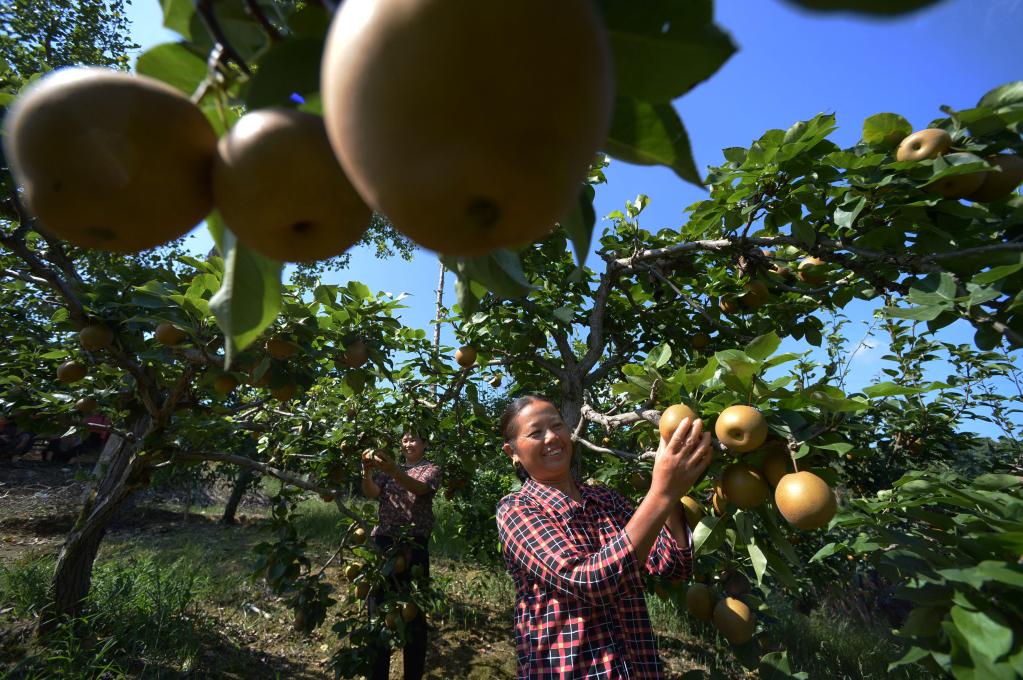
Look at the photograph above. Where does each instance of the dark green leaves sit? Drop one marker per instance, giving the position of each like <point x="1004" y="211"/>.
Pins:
<point x="651" y="134"/>
<point x="1004" y="95"/>
<point x="579" y="224"/>
<point x="291" y="67"/>
<point x="886" y="130"/>
<point x="663" y="48"/>
<point x="250" y="295"/>
<point x="174" y="64"/>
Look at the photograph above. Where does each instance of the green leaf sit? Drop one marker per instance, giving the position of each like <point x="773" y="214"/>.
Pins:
<point x="886" y="130"/>
<point x="923" y="313"/>
<point x="290" y="67"/>
<point x="1003" y="95"/>
<point x="709" y="534"/>
<point x="986" y="631"/>
<point x="250" y="295"/>
<point x="912" y="656"/>
<point x="890" y="389"/>
<point x="663" y="48"/>
<point x="564" y="314"/>
<point x="579" y="224"/>
<point x="691" y="381"/>
<point x="178" y="15"/>
<point x="827" y="551"/>
<point x="651" y="134"/>
<point x="763" y="346"/>
<point x="500" y="271"/>
<point x="776" y="666"/>
<point x="846" y="214"/>
<point x="997" y="273"/>
<point x="174" y="64"/>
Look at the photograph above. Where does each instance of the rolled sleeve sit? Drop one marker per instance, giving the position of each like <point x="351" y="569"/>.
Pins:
<point x="667" y="559"/>
<point x="537" y="545"/>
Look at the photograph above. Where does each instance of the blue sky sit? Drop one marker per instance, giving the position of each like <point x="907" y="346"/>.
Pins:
<point x="790" y="66"/>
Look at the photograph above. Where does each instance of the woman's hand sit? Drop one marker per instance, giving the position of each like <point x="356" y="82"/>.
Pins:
<point x="384" y="462"/>
<point x="681" y="460"/>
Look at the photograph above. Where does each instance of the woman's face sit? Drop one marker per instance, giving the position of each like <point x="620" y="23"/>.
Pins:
<point x="541" y="443"/>
<point x="413" y="446"/>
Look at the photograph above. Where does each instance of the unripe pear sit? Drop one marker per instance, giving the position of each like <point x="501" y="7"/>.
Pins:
<point x="110" y="160"/>
<point x="729" y="304"/>
<point x="744" y="486"/>
<point x="757" y="295"/>
<point x="224" y="383"/>
<point x="805" y="500"/>
<point x="923" y="144"/>
<point x="282" y="191"/>
<point x="776" y="464"/>
<point x="741" y="428"/>
<point x="168" y="334"/>
<point x="280" y="347"/>
<point x="355" y="355"/>
<point x="812" y="270"/>
<point x="405" y="83"/>
<point x="734" y="620"/>
<point x="284" y="392"/>
<point x="693" y="511"/>
<point x="409" y="612"/>
<point x="86" y="405"/>
<point x="672" y="417"/>
<point x="699" y="341"/>
<point x="1000" y="185"/>
<point x="700" y="599"/>
<point x="465" y="356"/>
<point x="95" y="336"/>
<point x="71" y="372"/>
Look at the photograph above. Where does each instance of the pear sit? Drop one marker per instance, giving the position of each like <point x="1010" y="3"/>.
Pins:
<point x="282" y="192"/>
<point x="470" y="125"/>
<point x="110" y="160"/>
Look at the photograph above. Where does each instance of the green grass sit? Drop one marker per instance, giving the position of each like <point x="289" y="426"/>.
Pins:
<point x="140" y="618"/>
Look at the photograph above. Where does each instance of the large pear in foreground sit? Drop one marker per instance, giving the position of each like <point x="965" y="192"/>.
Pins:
<point x="471" y="124"/>
<point x="282" y="192"/>
<point x="110" y="160"/>
<point x="741" y="428"/>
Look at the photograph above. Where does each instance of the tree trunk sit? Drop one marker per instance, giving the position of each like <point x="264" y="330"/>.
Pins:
<point x="72" y="578"/>
<point x="241" y="485"/>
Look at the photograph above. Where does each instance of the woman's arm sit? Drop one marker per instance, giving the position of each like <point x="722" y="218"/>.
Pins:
<point x="389" y="467"/>
<point x="534" y="543"/>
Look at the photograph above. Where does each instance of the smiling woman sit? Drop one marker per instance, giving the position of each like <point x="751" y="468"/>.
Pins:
<point x="577" y="553"/>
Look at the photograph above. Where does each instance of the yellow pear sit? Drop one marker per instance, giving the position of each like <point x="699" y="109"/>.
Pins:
<point x="923" y="144"/>
<point x="741" y="428"/>
<point x="281" y="190"/>
<point x="805" y="500"/>
<point x="471" y="125"/>
<point x="672" y="417"/>
<point x="110" y="160"/>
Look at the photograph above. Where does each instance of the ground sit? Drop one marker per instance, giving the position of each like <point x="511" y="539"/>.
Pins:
<point x="241" y="630"/>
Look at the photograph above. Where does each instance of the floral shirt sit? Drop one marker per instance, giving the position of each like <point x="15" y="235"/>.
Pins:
<point x="579" y="605"/>
<point x="400" y="508"/>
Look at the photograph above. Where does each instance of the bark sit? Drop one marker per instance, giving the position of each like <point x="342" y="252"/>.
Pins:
<point x="241" y="485"/>
<point x="118" y="478"/>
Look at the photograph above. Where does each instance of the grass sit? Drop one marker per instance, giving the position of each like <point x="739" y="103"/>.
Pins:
<point x="178" y="599"/>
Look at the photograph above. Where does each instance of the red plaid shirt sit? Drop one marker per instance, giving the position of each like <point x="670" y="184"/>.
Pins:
<point x="400" y="508"/>
<point x="579" y="605"/>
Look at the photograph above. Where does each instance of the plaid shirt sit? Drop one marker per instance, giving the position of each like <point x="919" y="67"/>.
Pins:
<point x="400" y="508"/>
<point x="579" y="605"/>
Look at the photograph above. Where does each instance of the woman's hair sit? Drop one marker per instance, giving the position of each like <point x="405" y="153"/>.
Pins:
<point x="513" y="409"/>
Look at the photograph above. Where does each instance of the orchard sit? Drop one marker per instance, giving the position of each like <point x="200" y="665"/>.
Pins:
<point x="293" y="131"/>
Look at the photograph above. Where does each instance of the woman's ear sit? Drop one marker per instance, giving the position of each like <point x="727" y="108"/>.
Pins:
<point x="509" y="451"/>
